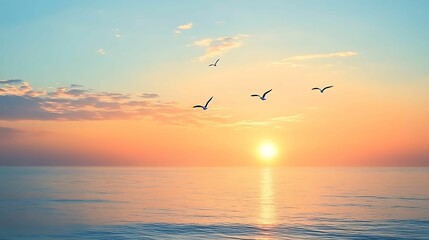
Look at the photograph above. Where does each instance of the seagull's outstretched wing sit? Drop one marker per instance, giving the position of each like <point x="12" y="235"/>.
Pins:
<point x="211" y="64"/>
<point x="216" y="61"/>
<point x="326" y="88"/>
<point x="198" y="106"/>
<point x="208" y="101"/>
<point x="255" y="95"/>
<point x="263" y="96"/>
<point x="316" y="88"/>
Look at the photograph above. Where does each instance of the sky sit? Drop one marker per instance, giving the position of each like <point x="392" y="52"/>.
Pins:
<point x="113" y="83"/>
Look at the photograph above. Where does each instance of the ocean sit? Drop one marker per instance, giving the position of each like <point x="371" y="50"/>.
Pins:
<point x="213" y="203"/>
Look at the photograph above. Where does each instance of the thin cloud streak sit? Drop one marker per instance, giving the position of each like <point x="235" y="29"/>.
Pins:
<point x="273" y="122"/>
<point x="149" y="95"/>
<point x="11" y="81"/>
<point x="294" y="61"/>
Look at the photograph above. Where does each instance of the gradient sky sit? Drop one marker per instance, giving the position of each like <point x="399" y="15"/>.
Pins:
<point x="114" y="82"/>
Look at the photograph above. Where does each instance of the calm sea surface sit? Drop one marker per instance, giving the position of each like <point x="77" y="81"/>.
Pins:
<point x="213" y="203"/>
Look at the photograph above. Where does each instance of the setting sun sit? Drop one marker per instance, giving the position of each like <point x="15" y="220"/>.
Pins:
<point x="267" y="151"/>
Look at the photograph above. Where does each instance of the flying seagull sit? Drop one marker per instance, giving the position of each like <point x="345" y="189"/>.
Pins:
<point x="205" y="106"/>
<point x="321" y="90"/>
<point x="214" y="64"/>
<point x="263" y="96"/>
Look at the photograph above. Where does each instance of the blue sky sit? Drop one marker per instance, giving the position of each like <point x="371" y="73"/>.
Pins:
<point x="52" y="42"/>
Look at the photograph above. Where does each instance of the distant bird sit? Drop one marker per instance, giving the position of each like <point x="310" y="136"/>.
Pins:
<point x="321" y="90"/>
<point x="205" y="106"/>
<point x="214" y="64"/>
<point x="263" y="96"/>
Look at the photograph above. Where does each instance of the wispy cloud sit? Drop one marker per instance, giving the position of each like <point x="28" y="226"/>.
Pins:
<point x="117" y="34"/>
<point x="101" y="51"/>
<point x="180" y="28"/>
<point x="21" y="102"/>
<point x="294" y="61"/>
<point x="220" y="45"/>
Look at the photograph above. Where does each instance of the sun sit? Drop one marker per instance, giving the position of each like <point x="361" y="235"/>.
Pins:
<point x="267" y="151"/>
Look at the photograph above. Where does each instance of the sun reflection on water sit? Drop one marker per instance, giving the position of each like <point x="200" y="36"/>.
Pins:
<point x="266" y="203"/>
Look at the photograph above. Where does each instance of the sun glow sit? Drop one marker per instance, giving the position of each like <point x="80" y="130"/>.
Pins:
<point x="267" y="151"/>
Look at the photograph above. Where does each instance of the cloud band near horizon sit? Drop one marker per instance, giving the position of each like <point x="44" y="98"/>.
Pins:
<point x="19" y="101"/>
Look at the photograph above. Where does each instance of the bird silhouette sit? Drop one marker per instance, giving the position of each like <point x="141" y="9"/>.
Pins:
<point x="321" y="90"/>
<point x="214" y="64"/>
<point x="263" y="96"/>
<point x="205" y="106"/>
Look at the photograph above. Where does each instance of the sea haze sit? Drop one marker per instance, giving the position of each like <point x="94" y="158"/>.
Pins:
<point x="213" y="203"/>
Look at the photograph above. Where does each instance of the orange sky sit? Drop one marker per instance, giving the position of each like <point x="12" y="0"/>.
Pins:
<point x="357" y="125"/>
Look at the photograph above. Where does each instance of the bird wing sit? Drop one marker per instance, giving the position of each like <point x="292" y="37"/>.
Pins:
<point x="316" y="88"/>
<point x="198" y="106"/>
<point x="208" y="102"/>
<point x="217" y="61"/>
<point x="254" y="95"/>
<point x="211" y="64"/>
<point x="326" y="88"/>
<point x="266" y="93"/>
